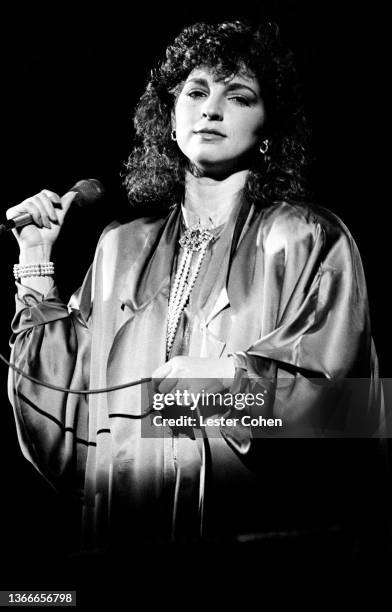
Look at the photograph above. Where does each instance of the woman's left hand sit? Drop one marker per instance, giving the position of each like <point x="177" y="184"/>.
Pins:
<point x="195" y="374"/>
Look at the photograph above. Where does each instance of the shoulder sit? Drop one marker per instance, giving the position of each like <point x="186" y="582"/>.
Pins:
<point x="129" y="238"/>
<point x="297" y="222"/>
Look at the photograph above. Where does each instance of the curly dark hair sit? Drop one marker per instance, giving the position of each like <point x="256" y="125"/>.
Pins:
<point x="155" y="170"/>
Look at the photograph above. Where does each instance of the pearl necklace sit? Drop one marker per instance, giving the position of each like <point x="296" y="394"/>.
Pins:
<point x="194" y="240"/>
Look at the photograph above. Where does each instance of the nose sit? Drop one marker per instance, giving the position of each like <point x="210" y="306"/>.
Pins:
<point x="212" y="109"/>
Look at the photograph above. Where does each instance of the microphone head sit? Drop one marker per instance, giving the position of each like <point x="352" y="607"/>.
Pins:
<point x="88" y="192"/>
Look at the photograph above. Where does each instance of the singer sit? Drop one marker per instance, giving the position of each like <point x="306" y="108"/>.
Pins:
<point x="231" y="274"/>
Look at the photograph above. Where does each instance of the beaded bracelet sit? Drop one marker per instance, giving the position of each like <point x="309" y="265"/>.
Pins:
<point x="45" y="268"/>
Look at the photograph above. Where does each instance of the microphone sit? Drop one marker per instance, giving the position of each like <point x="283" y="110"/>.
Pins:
<point x="88" y="191"/>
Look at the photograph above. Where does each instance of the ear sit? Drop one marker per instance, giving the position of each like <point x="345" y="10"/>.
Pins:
<point x="173" y="119"/>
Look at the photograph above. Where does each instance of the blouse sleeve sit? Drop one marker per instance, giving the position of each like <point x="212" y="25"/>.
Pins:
<point x="51" y="341"/>
<point x="315" y="364"/>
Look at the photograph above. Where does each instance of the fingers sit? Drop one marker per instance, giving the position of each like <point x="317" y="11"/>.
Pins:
<point x="52" y="201"/>
<point x="32" y="206"/>
<point x="41" y="207"/>
<point x="173" y="368"/>
<point x="49" y="202"/>
<point x="167" y="375"/>
<point x="52" y="196"/>
<point x="162" y="371"/>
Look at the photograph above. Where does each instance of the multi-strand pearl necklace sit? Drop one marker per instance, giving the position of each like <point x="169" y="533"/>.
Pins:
<point x="194" y="240"/>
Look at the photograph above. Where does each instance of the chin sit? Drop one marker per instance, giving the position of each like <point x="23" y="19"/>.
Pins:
<point x="209" y="161"/>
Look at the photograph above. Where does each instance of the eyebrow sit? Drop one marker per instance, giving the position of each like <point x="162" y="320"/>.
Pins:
<point x="230" y="87"/>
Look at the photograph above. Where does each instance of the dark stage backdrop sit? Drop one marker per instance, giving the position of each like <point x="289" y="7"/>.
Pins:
<point x="71" y="74"/>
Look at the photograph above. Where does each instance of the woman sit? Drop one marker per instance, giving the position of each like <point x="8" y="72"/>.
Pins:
<point x="235" y="277"/>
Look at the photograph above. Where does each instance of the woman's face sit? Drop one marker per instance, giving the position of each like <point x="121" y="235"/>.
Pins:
<point x="218" y="121"/>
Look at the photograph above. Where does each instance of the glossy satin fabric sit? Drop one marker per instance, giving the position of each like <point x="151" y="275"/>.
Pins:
<point x="291" y="304"/>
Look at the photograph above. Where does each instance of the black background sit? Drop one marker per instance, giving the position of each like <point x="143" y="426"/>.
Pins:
<point x="71" y="74"/>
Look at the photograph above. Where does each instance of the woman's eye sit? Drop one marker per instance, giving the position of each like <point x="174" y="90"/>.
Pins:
<point x="196" y="93"/>
<point x="240" y="100"/>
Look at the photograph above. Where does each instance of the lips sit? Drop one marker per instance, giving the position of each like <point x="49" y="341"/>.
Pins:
<point x="210" y="131"/>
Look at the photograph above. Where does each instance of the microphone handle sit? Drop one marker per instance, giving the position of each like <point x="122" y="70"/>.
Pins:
<point x="87" y="191"/>
<point x="20" y="221"/>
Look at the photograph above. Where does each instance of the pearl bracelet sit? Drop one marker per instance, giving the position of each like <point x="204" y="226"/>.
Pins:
<point x="45" y="268"/>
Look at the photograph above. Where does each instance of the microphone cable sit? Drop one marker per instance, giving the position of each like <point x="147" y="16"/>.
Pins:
<point x="87" y="191"/>
<point x="68" y="389"/>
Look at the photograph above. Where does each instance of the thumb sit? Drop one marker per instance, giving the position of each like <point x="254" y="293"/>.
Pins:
<point x="163" y="371"/>
<point x="67" y="200"/>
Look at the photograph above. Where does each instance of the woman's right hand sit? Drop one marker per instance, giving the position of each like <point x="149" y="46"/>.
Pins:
<point x="47" y="219"/>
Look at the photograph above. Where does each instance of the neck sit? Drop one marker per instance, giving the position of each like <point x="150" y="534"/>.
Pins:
<point x="212" y="199"/>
